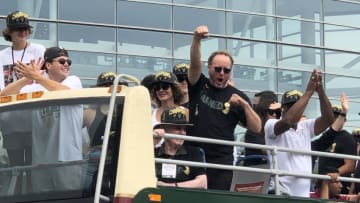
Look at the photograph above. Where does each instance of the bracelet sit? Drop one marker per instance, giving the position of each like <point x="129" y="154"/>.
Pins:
<point x="342" y="114"/>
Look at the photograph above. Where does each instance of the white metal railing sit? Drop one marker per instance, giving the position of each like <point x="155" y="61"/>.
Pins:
<point x="274" y="150"/>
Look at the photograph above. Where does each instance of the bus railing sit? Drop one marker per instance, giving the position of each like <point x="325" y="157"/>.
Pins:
<point x="273" y="170"/>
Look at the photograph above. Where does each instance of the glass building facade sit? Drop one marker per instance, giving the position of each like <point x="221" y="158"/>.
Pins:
<point x="275" y="43"/>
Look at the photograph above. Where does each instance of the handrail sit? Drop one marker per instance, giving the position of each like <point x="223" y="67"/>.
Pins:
<point x="274" y="150"/>
<point x="104" y="147"/>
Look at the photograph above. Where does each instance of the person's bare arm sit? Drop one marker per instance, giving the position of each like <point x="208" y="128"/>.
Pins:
<point x="293" y="115"/>
<point x="194" y="73"/>
<point x="32" y="72"/>
<point x="253" y="121"/>
<point x="327" y="116"/>
<point x="348" y="167"/>
<point x="14" y="88"/>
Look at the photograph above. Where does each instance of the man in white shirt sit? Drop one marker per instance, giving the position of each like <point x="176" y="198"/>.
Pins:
<point x="291" y="132"/>
<point x="56" y="132"/>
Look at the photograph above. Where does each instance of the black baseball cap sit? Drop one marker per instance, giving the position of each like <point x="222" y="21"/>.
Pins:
<point x="164" y="77"/>
<point x="17" y="19"/>
<point x="174" y="116"/>
<point x="290" y="97"/>
<point x="336" y="109"/>
<point x="181" y="69"/>
<point x="54" y="52"/>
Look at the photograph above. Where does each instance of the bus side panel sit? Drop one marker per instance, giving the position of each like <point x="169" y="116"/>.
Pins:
<point x="179" y="195"/>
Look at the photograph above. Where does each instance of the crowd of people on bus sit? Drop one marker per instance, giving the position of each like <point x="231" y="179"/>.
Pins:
<point x="184" y="102"/>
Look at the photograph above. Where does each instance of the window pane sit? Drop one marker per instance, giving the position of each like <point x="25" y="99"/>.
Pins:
<point x="254" y="78"/>
<point x="88" y="65"/>
<point x="257" y="6"/>
<point x="88" y="10"/>
<point x="289" y="79"/>
<point x="252" y="53"/>
<point x="250" y="26"/>
<point x="342" y="63"/>
<point x="144" y="43"/>
<point x="298" y="32"/>
<point x="336" y="84"/>
<point x="87" y="38"/>
<point x="184" y="19"/>
<point x="339" y="37"/>
<point x="306" y="9"/>
<point x="342" y="12"/>
<point x="203" y="3"/>
<point x="141" y="66"/>
<point x="182" y="45"/>
<point x="299" y="58"/>
<point x="144" y="15"/>
<point x="44" y="33"/>
<point x="35" y="8"/>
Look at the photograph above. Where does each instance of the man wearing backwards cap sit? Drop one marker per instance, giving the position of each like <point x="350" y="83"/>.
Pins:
<point x="60" y="141"/>
<point x="291" y="132"/>
<point x="174" y="121"/>
<point x="17" y="31"/>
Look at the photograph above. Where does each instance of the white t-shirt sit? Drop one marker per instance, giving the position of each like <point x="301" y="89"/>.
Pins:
<point x="57" y="129"/>
<point x="299" y="139"/>
<point x="33" y="51"/>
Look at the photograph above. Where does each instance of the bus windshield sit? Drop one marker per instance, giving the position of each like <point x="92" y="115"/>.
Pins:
<point x="51" y="149"/>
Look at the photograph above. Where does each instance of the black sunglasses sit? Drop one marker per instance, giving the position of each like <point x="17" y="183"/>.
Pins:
<point x="277" y="112"/>
<point x="21" y="29"/>
<point x="181" y="78"/>
<point x="163" y="86"/>
<point x="62" y="61"/>
<point x="218" y="69"/>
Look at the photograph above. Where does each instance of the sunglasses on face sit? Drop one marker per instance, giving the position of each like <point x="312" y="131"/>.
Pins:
<point x="218" y="69"/>
<point x="62" y="61"/>
<point x="163" y="86"/>
<point x="20" y="29"/>
<point x="277" y="112"/>
<point x="181" y="78"/>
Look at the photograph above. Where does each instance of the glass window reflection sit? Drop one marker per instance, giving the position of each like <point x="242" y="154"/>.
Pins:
<point x="87" y="38"/>
<point x="298" y="32"/>
<point x="339" y="37"/>
<point x="300" y="58"/>
<point x="203" y="3"/>
<point x="256" y="6"/>
<point x="90" y="65"/>
<point x="345" y="13"/>
<point x="182" y="44"/>
<point x="139" y="66"/>
<point x="250" y="26"/>
<point x="144" y="43"/>
<point x="35" y="8"/>
<point x="252" y="53"/>
<point x="336" y="84"/>
<point x="305" y="9"/>
<point x="290" y="79"/>
<point x="144" y="14"/>
<point x="84" y="10"/>
<point x="254" y="78"/>
<point x="187" y="19"/>
<point x="342" y="63"/>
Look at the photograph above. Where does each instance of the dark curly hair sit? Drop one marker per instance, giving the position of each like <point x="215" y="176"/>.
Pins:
<point x="177" y="94"/>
